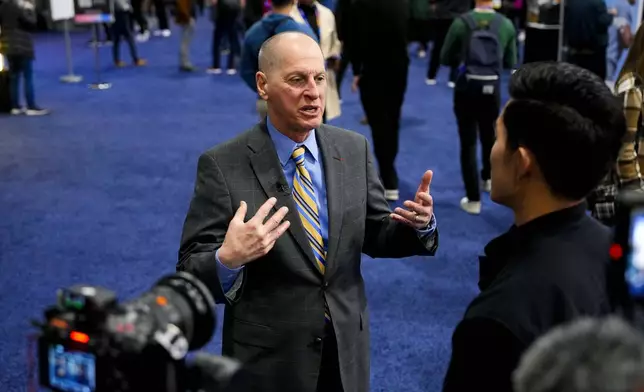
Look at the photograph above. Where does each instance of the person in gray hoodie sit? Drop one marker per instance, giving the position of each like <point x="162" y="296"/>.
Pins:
<point x="122" y="28"/>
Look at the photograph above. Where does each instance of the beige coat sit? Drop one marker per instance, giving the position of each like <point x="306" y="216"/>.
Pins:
<point x="331" y="47"/>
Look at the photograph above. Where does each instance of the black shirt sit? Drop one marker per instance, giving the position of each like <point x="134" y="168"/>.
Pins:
<point x="534" y="277"/>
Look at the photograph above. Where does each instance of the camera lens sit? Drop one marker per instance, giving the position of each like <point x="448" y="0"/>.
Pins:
<point x="181" y="300"/>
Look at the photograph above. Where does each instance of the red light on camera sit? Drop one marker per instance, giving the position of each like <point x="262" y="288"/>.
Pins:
<point x="79" y="337"/>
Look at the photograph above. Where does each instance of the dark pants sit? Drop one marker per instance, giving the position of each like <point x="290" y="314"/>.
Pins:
<point x="138" y="17"/>
<point x="344" y="64"/>
<point x="225" y="26"/>
<point x="475" y="112"/>
<point x="21" y="67"/>
<point x="382" y="94"/>
<point x="439" y="28"/>
<point x="540" y="45"/>
<point x="329" y="379"/>
<point x="122" y="28"/>
<point x="593" y="60"/>
<point x="162" y="14"/>
<point x="420" y="31"/>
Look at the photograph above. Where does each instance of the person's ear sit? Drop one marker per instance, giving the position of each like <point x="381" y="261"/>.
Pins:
<point x="262" y="84"/>
<point x="524" y="163"/>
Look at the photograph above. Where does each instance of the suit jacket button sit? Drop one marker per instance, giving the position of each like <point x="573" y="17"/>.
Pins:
<point x="325" y="285"/>
<point x="318" y="341"/>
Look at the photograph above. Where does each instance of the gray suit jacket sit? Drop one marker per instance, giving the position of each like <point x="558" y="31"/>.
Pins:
<point x="275" y="321"/>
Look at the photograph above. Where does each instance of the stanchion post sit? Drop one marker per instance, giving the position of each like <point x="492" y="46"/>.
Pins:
<point x="560" y="42"/>
<point x="99" y="84"/>
<point x="70" y="77"/>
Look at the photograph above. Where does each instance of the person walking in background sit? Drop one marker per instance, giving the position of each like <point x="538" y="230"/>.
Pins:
<point x="253" y="12"/>
<point x="17" y="18"/>
<point x="626" y="174"/>
<point x="185" y="15"/>
<point x="277" y="21"/>
<point x="441" y="15"/>
<point x="480" y="43"/>
<point x="322" y="22"/>
<point x="163" y="25"/>
<point x="419" y="25"/>
<point x="227" y="13"/>
<point x="121" y="28"/>
<point x="619" y="35"/>
<point x="586" y="25"/>
<point x="380" y="64"/>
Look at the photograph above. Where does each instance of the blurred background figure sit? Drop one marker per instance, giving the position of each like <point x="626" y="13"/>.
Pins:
<point x="419" y="25"/>
<point x="380" y="65"/>
<point x="122" y="28"/>
<point x="441" y="15"/>
<point x="227" y="13"/>
<point x="588" y="355"/>
<point x="185" y="15"/>
<point x="626" y="174"/>
<point x="620" y="35"/>
<point x="586" y="25"/>
<point x="17" y="18"/>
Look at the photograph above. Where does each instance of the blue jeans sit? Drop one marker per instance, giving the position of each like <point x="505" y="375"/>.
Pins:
<point x="21" y="66"/>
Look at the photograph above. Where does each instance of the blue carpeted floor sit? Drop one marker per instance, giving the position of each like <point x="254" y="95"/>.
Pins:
<point x="97" y="193"/>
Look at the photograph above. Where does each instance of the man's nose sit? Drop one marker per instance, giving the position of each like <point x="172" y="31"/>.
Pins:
<point x="312" y="89"/>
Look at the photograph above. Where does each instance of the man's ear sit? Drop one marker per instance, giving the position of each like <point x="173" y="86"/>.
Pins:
<point x="524" y="162"/>
<point x="262" y="84"/>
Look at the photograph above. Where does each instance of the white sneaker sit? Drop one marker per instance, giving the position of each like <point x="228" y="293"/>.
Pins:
<point x="422" y="54"/>
<point x="392" y="194"/>
<point x="451" y="84"/>
<point x="487" y="186"/>
<point x="214" y="71"/>
<point x="471" y="207"/>
<point x="166" y="33"/>
<point x="17" y="111"/>
<point x="143" y="37"/>
<point x="231" y="71"/>
<point x="430" y="82"/>
<point x="36" y="112"/>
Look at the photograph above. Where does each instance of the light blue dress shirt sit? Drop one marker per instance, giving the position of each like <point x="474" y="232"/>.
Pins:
<point x="313" y="162"/>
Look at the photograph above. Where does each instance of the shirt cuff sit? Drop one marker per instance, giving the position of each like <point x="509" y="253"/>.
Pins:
<point x="226" y="275"/>
<point x="429" y="230"/>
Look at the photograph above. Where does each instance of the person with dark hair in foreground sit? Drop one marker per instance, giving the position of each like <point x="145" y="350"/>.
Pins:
<point x="556" y="138"/>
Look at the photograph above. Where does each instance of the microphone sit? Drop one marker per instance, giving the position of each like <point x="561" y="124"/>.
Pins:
<point x="283" y="187"/>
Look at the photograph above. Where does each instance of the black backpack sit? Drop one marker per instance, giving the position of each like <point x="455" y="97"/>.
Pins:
<point x="483" y="57"/>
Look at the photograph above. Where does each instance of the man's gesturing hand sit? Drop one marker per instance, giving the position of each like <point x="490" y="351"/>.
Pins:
<point x="419" y="212"/>
<point x="247" y="241"/>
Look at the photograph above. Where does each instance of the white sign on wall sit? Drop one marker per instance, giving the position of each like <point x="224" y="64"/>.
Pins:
<point x="62" y="9"/>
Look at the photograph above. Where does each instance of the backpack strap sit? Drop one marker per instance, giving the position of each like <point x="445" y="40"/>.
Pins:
<point x="496" y="23"/>
<point x="469" y="20"/>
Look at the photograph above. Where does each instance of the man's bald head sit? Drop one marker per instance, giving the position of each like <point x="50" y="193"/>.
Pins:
<point x="274" y="49"/>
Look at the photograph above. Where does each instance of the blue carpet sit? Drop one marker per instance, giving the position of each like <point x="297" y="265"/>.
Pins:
<point x="97" y="193"/>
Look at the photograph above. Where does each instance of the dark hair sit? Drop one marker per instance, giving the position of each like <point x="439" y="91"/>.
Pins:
<point x="281" y="3"/>
<point x="635" y="59"/>
<point x="569" y="119"/>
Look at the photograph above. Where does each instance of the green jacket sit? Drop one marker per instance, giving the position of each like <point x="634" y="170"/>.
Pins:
<point x="455" y="41"/>
<point x="419" y="9"/>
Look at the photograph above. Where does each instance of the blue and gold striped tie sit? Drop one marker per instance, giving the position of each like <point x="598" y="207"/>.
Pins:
<point x="307" y="207"/>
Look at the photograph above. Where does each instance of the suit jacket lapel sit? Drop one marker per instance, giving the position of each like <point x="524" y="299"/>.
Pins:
<point x="333" y="172"/>
<point x="268" y="170"/>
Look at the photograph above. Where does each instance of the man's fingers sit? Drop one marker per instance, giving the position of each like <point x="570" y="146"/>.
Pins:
<point x="264" y="210"/>
<point x="279" y="231"/>
<point x="401" y="219"/>
<point x="408" y="215"/>
<point x="276" y="219"/>
<point x="240" y="214"/>
<point x="426" y="181"/>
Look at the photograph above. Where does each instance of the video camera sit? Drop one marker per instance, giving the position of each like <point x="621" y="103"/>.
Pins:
<point x="91" y="343"/>
<point x="626" y="272"/>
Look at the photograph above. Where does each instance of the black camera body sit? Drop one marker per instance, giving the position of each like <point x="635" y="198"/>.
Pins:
<point x="626" y="271"/>
<point x="91" y="343"/>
